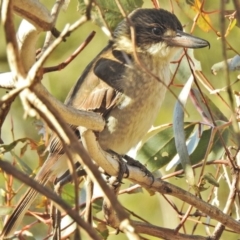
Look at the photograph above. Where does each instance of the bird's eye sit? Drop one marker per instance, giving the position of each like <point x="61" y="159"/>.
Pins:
<point x="156" y="31"/>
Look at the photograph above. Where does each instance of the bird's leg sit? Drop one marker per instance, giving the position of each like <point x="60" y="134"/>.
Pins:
<point x="108" y="161"/>
<point x="112" y="163"/>
<point x="123" y="169"/>
<point x="67" y="176"/>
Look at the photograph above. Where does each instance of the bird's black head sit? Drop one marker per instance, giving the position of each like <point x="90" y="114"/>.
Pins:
<point x="155" y="31"/>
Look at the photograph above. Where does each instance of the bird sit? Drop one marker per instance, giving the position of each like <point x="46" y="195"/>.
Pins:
<point x="127" y="91"/>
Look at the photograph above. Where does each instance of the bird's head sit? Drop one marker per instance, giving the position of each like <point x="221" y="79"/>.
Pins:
<point x="157" y="32"/>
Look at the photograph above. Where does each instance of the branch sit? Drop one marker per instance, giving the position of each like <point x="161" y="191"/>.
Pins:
<point x="72" y="57"/>
<point x="111" y="165"/>
<point x="70" y="115"/>
<point x="13" y="58"/>
<point x="164" y="233"/>
<point x="54" y="13"/>
<point x="60" y="204"/>
<point x="218" y="231"/>
<point x="27" y="37"/>
<point x="12" y="47"/>
<point x="35" y="12"/>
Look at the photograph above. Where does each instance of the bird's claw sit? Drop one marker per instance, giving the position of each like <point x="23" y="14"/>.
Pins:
<point x="126" y="160"/>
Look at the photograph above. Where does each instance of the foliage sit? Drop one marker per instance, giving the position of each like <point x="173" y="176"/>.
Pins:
<point x="209" y="134"/>
<point x="108" y="12"/>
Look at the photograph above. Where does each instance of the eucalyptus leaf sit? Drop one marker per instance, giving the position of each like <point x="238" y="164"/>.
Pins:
<point x="160" y="148"/>
<point x="8" y="147"/>
<point x="210" y="178"/>
<point x="178" y="127"/>
<point x="216" y="150"/>
<point x="200" y="151"/>
<point x="26" y="169"/>
<point x="233" y="64"/>
<point x="68" y="194"/>
<point x="191" y="143"/>
<point x="97" y="206"/>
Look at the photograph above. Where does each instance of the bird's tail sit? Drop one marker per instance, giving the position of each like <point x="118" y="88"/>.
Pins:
<point x="26" y="201"/>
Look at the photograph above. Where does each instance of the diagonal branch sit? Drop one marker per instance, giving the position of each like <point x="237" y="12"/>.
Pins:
<point x="62" y="205"/>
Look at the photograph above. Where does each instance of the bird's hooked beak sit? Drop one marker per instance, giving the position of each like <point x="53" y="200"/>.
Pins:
<point x="182" y="39"/>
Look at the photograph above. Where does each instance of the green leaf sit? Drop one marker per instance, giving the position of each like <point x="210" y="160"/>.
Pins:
<point x="39" y="147"/>
<point x="160" y="148"/>
<point x="217" y="148"/>
<point x="110" y="11"/>
<point x="211" y="179"/>
<point x="97" y="206"/>
<point x="68" y="194"/>
<point x="192" y="143"/>
<point x="200" y="151"/>
<point x="151" y="132"/>
<point x="26" y="169"/>
<point x="8" y="147"/>
<point x="178" y="127"/>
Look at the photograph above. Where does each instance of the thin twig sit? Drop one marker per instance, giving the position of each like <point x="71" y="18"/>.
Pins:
<point x="62" y="205"/>
<point x="72" y="57"/>
<point x="218" y="231"/>
<point x="54" y="13"/>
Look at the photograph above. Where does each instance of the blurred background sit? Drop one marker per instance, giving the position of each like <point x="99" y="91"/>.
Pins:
<point x="154" y="208"/>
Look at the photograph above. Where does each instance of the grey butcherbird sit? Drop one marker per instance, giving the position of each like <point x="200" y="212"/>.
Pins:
<point x="118" y="88"/>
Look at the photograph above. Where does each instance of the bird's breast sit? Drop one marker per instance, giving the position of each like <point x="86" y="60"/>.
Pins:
<point x="136" y="111"/>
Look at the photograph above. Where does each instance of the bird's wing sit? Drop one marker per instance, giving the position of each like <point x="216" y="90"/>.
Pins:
<point x="98" y="89"/>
